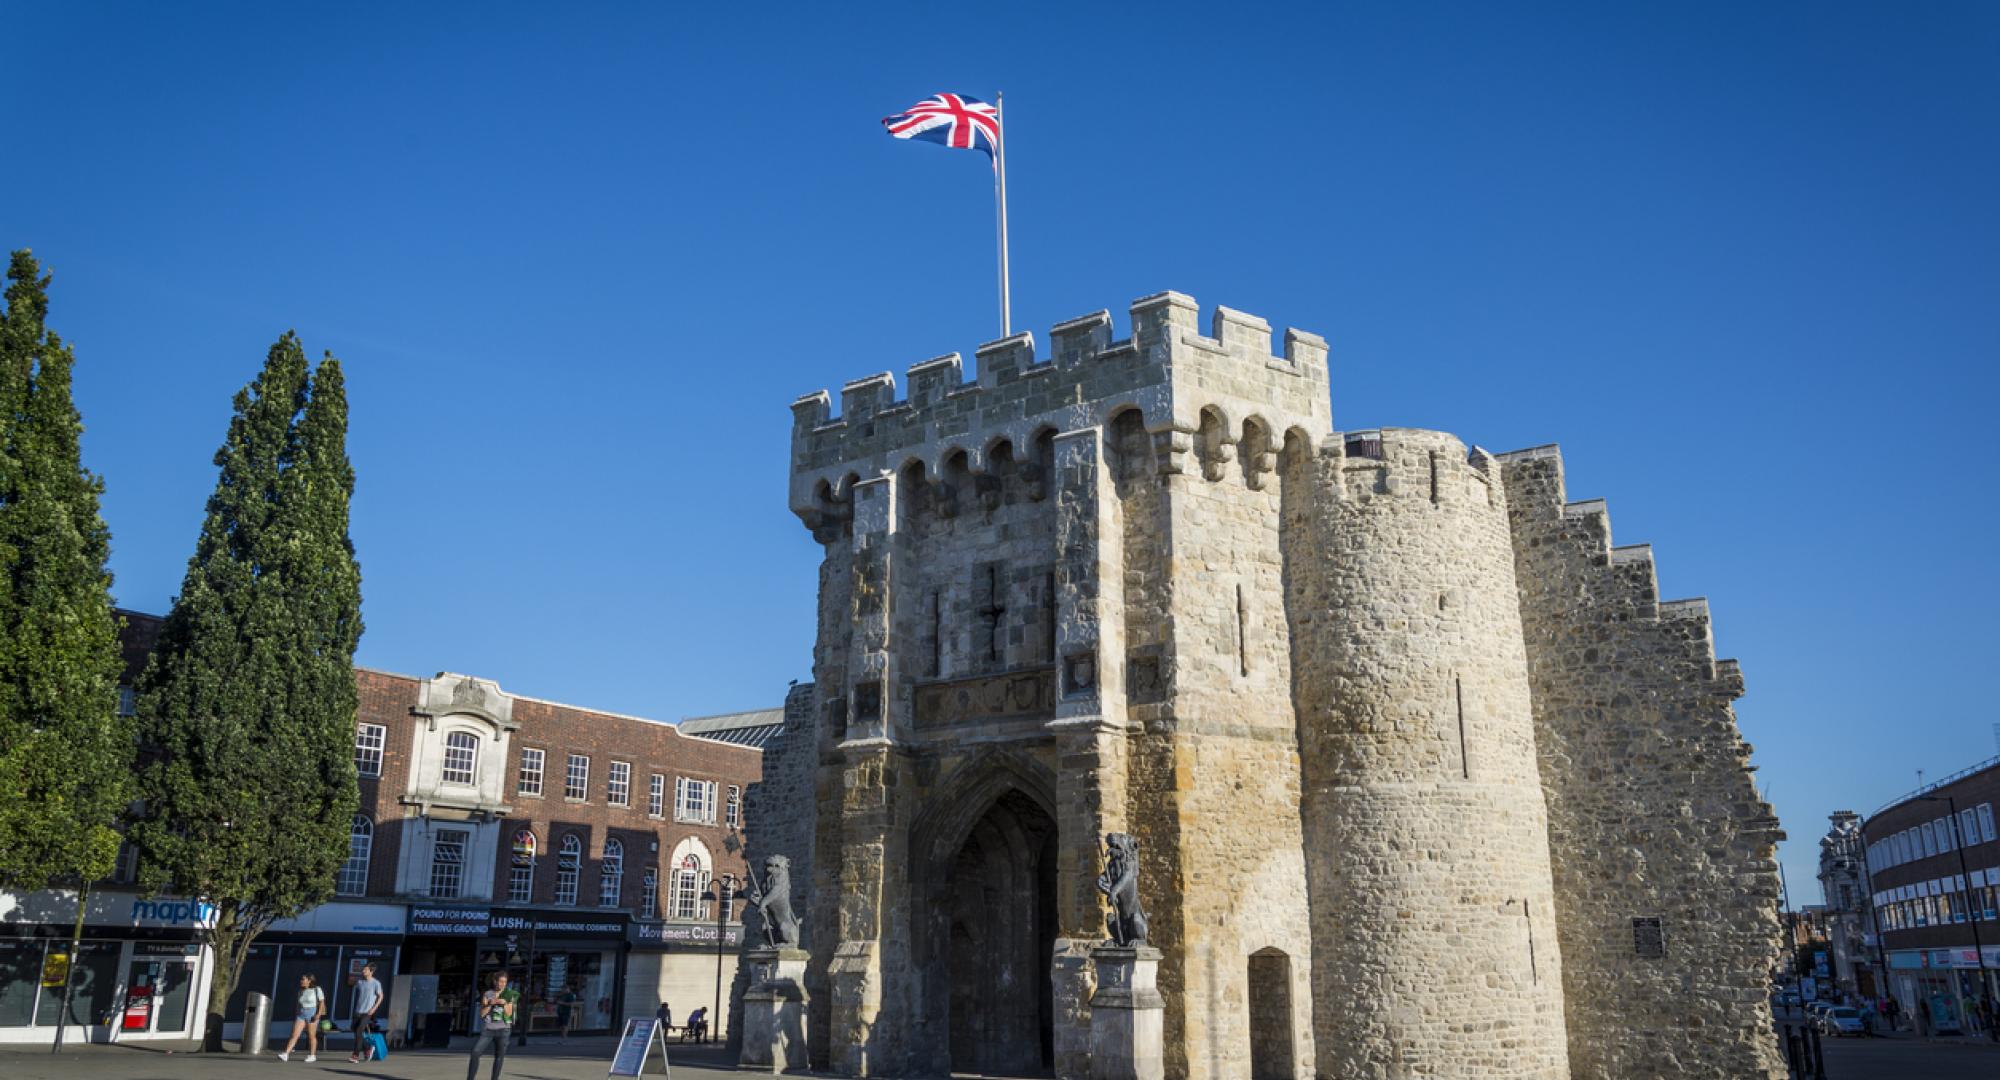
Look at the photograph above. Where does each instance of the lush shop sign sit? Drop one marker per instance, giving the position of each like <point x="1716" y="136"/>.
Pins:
<point x="558" y="924"/>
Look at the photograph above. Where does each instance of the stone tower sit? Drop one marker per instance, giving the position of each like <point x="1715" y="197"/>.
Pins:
<point x="1142" y="587"/>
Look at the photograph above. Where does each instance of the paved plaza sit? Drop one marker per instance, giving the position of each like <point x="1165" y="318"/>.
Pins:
<point x="1900" y="1058"/>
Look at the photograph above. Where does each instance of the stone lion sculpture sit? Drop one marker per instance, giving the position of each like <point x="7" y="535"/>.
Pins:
<point x="1120" y="885"/>
<point x="773" y="900"/>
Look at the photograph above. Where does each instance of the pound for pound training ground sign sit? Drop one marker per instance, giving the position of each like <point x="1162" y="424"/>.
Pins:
<point x="635" y="1047"/>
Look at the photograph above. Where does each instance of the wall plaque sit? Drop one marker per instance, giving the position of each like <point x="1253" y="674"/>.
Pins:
<point x="1649" y="940"/>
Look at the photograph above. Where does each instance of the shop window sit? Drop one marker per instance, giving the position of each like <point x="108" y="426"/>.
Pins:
<point x="368" y="740"/>
<point x="576" y="777"/>
<point x="618" y="785"/>
<point x="448" y="863"/>
<point x="95" y="988"/>
<point x="461" y="757"/>
<point x="611" y="874"/>
<point x="353" y="877"/>
<point x="530" y="781"/>
<point x="20" y="973"/>
<point x="569" y="863"/>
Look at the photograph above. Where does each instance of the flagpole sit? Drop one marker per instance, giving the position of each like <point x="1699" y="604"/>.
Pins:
<point x="1000" y="194"/>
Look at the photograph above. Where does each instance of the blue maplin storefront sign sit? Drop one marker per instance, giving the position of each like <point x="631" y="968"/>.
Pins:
<point x="449" y="920"/>
<point x="186" y="914"/>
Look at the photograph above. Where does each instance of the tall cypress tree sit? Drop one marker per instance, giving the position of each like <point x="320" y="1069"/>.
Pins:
<point x="249" y="700"/>
<point x="65" y="754"/>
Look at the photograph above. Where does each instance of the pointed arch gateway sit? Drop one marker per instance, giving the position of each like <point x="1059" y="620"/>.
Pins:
<point x="983" y="896"/>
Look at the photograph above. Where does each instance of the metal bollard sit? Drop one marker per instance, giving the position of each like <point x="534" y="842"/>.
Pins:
<point x="256" y="1022"/>
<point x="1818" y="1054"/>
<point x="1793" y="1066"/>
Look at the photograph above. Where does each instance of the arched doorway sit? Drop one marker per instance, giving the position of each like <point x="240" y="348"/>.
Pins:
<point x="1270" y="1001"/>
<point x="987" y="939"/>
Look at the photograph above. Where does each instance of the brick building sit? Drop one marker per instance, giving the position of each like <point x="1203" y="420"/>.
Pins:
<point x="586" y="852"/>
<point x="1934" y="876"/>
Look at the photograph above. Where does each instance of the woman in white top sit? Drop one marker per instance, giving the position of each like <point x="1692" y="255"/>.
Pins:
<point x="312" y="1006"/>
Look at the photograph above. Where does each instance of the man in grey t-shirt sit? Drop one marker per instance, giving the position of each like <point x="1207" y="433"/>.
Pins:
<point x="367" y="999"/>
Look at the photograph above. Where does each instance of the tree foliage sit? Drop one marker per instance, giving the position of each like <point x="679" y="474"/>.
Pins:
<point x="65" y="754"/>
<point x="247" y="707"/>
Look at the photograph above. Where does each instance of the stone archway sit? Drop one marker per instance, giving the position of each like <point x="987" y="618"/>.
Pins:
<point x="986" y="929"/>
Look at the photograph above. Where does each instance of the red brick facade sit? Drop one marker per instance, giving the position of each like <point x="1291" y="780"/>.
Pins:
<point x="558" y="731"/>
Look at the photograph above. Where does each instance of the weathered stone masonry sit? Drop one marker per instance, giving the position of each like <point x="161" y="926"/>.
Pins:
<point x="1424" y="777"/>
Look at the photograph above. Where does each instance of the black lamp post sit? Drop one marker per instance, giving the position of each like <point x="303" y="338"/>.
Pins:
<point x="1971" y="913"/>
<point x="723" y="901"/>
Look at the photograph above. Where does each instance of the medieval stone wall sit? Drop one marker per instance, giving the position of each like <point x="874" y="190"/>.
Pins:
<point x="1425" y="840"/>
<point x="1666" y="885"/>
<point x="778" y="820"/>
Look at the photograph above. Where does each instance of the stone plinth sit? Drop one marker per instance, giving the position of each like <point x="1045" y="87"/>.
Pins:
<point x="1127" y="1015"/>
<point x="774" y="1010"/>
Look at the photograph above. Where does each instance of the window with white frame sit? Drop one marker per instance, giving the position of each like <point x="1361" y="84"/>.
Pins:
<point x="1927" y="839"/>
<point x="732" y="813"/>
<point x="1986" y="833"/>
<point x="649" y="894"/>
<point x="448" y="863"/>
<point x="694" y="800"/>
<point x="1944" y="833"/>
<point x="530" y="780"/>
<point x="353" y="877"/>
<point x="576" y="777"/>
<point x="690" y="874"/>
<point x="368" y="739"/>
<point x="618" y="785"/>
<point x="611" y="874"/>
<point x="569" y="863"/>
<point x="521" y="871"/>
<point x="461" y="757"/>
<point x="728" y="890"/>
<point x="656" y="796"/>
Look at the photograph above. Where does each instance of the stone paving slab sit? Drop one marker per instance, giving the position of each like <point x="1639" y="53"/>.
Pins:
<point x="580" y="1059"/>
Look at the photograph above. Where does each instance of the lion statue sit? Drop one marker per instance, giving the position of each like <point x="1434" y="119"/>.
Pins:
<point x="773" y="900"/>
<point x="1120" y="884"/>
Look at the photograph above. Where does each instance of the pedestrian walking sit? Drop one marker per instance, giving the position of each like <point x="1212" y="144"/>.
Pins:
<point x="312" y="1006"/>
<point x="665" y="1015"/>
<point x="367" y="999"/>
<point x="566" y="1003"/>
<point x="496" y="1023"/>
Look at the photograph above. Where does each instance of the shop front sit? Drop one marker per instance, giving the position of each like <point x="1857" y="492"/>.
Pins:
<point x="563" y="961"/>
<point x="332" y="943"/>
<point x="685" y="965"/>
<point x="138" y="973"/>
<point x="1940" y="988"/>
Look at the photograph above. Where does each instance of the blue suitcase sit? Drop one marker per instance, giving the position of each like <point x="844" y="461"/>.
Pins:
<point x="378" y="1047"/>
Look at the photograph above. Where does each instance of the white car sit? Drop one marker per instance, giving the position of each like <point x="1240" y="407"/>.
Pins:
<point x="1841" y="1020"/>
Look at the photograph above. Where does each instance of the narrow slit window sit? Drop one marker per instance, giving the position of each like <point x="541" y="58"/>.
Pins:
<point x="1434" y="477"/>
<point x="937" y="633"/>
<point x="1049" y="617"/>
<point x="1242" y="634"/>
<point x="1458" y="700"/>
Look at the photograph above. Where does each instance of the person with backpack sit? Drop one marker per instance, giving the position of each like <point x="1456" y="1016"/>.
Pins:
<point x="312" y="1006"/>
<point x="367" y="999"/>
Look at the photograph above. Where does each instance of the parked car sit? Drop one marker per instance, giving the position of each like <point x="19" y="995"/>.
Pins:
<point x="1785" y="999"/>
<point x="1841" y="1020"/>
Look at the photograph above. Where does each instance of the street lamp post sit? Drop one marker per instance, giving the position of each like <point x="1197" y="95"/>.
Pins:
<point x="1971" y="914"/>
<point x="723" y="898"/>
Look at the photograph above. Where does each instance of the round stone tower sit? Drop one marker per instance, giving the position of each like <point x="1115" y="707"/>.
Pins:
<point x="1433" y="922"/>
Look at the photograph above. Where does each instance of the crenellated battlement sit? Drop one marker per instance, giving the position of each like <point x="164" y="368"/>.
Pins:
<point x="1166" y="367"/>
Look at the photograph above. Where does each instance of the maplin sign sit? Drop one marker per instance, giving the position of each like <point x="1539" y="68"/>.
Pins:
<point x="180" y="913"/>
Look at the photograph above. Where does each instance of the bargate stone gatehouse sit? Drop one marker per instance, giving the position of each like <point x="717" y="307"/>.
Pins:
<point x="1427" y="779"/>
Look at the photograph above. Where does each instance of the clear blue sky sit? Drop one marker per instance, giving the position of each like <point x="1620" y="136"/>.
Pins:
<point x="1740" y="260"/>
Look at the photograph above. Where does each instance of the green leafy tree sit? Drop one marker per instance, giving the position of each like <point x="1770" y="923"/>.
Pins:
<point x="248" y="704"/>
<point x="65" y="754"/>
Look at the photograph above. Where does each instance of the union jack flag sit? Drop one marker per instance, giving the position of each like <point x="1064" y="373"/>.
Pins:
<point x="952" y="119"/>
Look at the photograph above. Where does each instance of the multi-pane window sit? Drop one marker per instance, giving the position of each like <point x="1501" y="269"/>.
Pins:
<point x="649" y="894"/>
<point x="368" y="740"/>
<point x="689" y="877"/>
<point x="126" y="870"/>
<point x="618" y="785"/>
<point x="611" y="874"/>
<point x="530" y="781"/>
<point x="1946" y="840"/>
<point x="694" y="800"/>
<point x="576" y="777"/>
<point x="1986" y="832"/>
<point x="353" y="877"/>
<point x="656" y="796"/>
<point x="521" y="872"/>
<point x="461" y="756"/>
<point x="733" y="810"/>
<point x="448" y="863"/>
<point x="728" y="891"/>
<point x="569" y="862"/>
